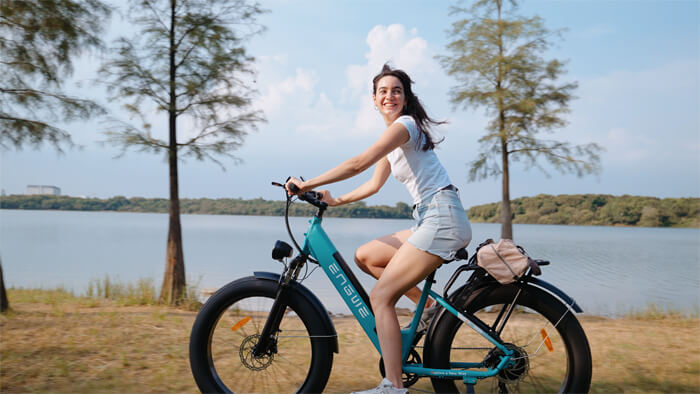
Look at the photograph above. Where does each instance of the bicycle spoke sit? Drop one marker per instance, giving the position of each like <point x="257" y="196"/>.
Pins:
<point x="530" y="370"/>
<point x="537" y="382"/>
<point x="284" y="369"/>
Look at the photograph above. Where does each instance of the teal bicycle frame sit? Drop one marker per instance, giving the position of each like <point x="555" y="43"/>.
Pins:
<point x="319" y="246"/>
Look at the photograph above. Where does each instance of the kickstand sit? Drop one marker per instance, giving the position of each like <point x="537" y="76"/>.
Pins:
<point x="470" y="382"/>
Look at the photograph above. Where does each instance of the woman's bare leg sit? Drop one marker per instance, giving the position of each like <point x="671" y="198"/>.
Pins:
<point x="407" y="267"/>
<point x="374" y="256"/>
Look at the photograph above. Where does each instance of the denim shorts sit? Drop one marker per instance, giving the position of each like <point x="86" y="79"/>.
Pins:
<point x="441" y="225"/>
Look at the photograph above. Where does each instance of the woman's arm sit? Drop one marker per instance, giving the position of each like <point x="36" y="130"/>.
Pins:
<point x="381" y="173"/>
<point x="394" y="136"/>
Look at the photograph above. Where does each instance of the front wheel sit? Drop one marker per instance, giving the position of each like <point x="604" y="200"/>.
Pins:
<point x="228" y="327"/>
<point x="552" y="352"/>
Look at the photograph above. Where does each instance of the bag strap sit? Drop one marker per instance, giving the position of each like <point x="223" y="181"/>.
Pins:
<point x="504" y="262"/>
<point x="481" y="245"/>
<point x="534" y="267"/>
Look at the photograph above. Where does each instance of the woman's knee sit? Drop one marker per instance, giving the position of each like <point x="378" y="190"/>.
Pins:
<point x="378" y="253"/>
<point x="361" y="259"/>
<point x="364" y="258"/>
<point x="380" y="296"/>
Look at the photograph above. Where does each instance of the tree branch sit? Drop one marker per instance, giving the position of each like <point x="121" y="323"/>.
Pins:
<point x="149" y="5"/>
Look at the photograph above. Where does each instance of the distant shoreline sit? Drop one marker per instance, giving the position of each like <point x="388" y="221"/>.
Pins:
<point x="579" y="209"/>
<point x="596" y="210"/>
<point x="208" y="206"/>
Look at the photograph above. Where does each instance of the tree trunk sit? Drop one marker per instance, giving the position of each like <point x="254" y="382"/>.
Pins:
<point x="173" y="289"/>
<point x="4" y="303"/>
<point x="506" y="213"/>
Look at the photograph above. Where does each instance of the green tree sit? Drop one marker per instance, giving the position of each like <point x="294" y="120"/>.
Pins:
<point x="187" y="60"/>
<point x="39" y="40"/>
<point x="497" y="59"/>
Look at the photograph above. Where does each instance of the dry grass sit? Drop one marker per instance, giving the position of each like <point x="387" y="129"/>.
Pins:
<point x="56" y="342"/>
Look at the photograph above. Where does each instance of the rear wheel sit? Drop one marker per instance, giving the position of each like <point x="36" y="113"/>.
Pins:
<point x="228" y="328"/>
<point x="552" y="352"/>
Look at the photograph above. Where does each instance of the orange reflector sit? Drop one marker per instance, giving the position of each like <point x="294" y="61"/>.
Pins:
<point x="547" y="341"/>
<point x="240" y="323"/>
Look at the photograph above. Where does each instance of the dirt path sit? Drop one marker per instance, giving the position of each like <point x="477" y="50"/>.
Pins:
<point x="73" y="347"/>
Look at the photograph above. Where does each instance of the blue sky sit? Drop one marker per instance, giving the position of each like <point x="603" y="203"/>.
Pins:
<point x="636" y="62"/>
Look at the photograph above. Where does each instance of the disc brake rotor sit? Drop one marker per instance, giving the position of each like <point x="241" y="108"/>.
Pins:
<point x="516" y="369"/>
<point x="255" y="363"/>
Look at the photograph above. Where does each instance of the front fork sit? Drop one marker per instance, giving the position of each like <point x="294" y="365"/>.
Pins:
<point x="267" y="341"/>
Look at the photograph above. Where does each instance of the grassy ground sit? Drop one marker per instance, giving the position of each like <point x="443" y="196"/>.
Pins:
<point x="54" y="342"/>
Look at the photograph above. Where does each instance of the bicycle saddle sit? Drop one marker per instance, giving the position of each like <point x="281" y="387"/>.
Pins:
<point x="461" y="254"/>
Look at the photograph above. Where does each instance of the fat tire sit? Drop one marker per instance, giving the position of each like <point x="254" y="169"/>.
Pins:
<point x="578" y="378"/>
<point x="201" y="363"/>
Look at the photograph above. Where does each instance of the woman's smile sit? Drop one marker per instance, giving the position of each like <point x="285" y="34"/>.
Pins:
<point x="389" y="97"/>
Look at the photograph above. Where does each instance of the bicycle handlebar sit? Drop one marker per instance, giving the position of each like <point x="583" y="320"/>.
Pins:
<point x="312" y="197"/>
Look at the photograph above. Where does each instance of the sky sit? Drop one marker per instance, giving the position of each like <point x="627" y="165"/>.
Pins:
<point x="636" y="64"/>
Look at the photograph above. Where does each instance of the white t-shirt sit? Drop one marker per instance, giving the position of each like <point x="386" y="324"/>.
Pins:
<point x="419" y="170"/>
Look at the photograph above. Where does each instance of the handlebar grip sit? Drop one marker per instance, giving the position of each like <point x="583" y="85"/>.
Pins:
<point x="313" y="198"/>
<point x="293" y="188"/>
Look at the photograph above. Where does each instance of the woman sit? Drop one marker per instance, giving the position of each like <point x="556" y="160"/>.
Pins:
<point x="401" y="260"/>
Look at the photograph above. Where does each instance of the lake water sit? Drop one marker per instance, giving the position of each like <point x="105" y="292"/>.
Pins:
<point x="608" y="270"/>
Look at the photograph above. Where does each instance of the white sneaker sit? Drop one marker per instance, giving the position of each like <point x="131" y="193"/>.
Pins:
<point x="425" y="318"/>
<point x="385" y="387"/>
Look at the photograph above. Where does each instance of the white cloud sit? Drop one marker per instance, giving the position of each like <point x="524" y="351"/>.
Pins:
<point x="291" y="89"/>
<point x="403" y="49"/>
<point x="323" y="119"/>
<point x="294" y="105"/>
<point x="306" y="108"/>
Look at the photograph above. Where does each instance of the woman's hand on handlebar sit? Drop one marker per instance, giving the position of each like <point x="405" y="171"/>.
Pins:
<point x="325" y="195"/>
<point x="327" y="198"/>
<point x="298" y="183"/>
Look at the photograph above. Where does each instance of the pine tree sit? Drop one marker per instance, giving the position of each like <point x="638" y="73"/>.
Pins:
<point x="497" y="59"/>
<point x="38" y="41"/>
<point x="187" y="60"/>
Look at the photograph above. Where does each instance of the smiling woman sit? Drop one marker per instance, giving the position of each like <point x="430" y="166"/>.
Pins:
<point x="400" y="260"/>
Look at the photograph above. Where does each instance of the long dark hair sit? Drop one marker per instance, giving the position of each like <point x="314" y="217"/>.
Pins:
<point x="413" y="106"/>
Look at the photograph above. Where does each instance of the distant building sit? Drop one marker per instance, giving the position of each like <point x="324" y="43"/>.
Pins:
<point x="43" y="189"/>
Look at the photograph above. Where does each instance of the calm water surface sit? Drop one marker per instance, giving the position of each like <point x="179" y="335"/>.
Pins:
<point x="608" y="270"/>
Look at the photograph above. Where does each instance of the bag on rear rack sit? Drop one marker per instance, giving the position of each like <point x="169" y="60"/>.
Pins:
<point x="504" y="261"/>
